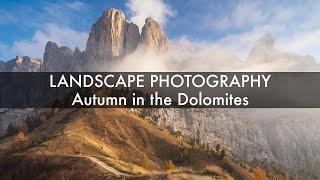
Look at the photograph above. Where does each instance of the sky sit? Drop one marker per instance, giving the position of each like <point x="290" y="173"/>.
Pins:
<point x="26" y="25"/>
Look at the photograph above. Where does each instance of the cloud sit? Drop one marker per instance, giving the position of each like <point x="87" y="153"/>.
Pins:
<point x="185" y="55"/>
<point x="247" y="13"/>
<point x="244" y="13"/>
<point x="63" y="36"/>
<point x="65" y="13"/>
<point x="249" y="20"/>
<point x="156" y="9"/>
<point x="76" y="5"/>
<point x="302" y="42"/>
<point x="241" y="43"/>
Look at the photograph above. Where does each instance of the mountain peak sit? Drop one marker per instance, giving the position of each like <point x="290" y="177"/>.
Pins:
<point x="113" y="13"/>
<point x="107" y="39"/>
<point x="111" y="38"/>
<point x="21" y="64"/>
<point x="265" y="41"/>
<point x="153" y="36"/>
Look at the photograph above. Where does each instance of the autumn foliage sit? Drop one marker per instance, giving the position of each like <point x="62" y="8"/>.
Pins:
<point x="21" y="140"/>
<point x="260" y="174"/>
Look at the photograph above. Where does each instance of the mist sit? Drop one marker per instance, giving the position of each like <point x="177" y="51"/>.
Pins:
<point x="185" y="55"/>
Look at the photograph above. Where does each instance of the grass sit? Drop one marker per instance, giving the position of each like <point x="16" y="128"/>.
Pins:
<point x="120" y="139"/>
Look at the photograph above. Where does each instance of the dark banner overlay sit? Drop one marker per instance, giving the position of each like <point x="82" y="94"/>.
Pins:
<point x="161" y="90"/>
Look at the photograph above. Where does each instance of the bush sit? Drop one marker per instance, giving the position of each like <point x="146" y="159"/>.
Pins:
<point x="216" y="170"/>
<point x="3" y="134"/>
<point x="194" y="143"/>
<point x="21" y="141"/>
<point x="143" y="114"/>
<point x="222" y="154"/>
<point x="185" y="153"/>
<point x="170" y="166"/>
<point x="259" y="174"/>
<point x="12" y="129"/>
<point x="33" y="123"/>
<point x="22" y="127"/>
<point x="43" y="118"/>
<point x="218" y="148"/>
<point x="145" y="162"/>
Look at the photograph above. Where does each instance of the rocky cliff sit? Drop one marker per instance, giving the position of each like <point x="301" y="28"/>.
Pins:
<point x="153" y="37"/>
<point x="21" y="64"/>
<point x="286" y="138"/>
<point x="18" y="64"/>
<point x="59" y="59"/>
<point x="111" y="38"/>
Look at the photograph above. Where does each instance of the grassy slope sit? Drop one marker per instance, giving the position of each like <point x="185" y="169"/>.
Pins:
<point x="117" y="137"/>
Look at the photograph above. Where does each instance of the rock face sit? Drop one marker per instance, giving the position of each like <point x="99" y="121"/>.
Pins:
<point x="21" y="64"/>
<point x="132" y="38"/>
<point x="241" y="137"/>
<point x="292" y="136"/>
<point x="60" y="59"/>
<point x="111" y="37"/>
<point x="18" y="64"/>
<point x="153" y="37"/>
<point x="13" y="116"/>
<point x="287" y="138"/>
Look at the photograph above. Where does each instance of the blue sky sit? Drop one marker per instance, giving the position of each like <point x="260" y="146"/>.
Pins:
<point x="234" y="24"/>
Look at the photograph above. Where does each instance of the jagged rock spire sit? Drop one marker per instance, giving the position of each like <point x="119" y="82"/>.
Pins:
<point x="60" y="58"/>
<point x="153" y="37"/>
<point x="21" y="64"/>
<point x="112" y="37"/>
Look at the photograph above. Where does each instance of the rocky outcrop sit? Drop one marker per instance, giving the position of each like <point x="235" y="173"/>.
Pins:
<point x="241" y="137"/>
<point x="2" y="66"/>
<point x="292" y="136"/>
<point x="13" y="116"/>
<point x="111" y="37"/>
<point x="18" y="64"/>
<point x="287" y="138"/>
<point x="132" y="38"/>
<point x="153" y="37"/>
<point x="61" y="59"/>
<point x="21" y="64"/>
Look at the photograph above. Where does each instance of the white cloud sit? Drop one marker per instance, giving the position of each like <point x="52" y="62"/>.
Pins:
<point x="295" y="27"/>
<point x="306" y="42"/>
<point x="63" y="36"/>
<point x="142" y="9"/>
<point x="244" y="13"/>
<point x="76" y="5"/>
<point x="185" y="55"/>
<point x="247" y="13"/>
<point x="241" y="43"/>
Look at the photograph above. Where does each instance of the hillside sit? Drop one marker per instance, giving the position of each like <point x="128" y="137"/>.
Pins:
<point x="111" y="142"/>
